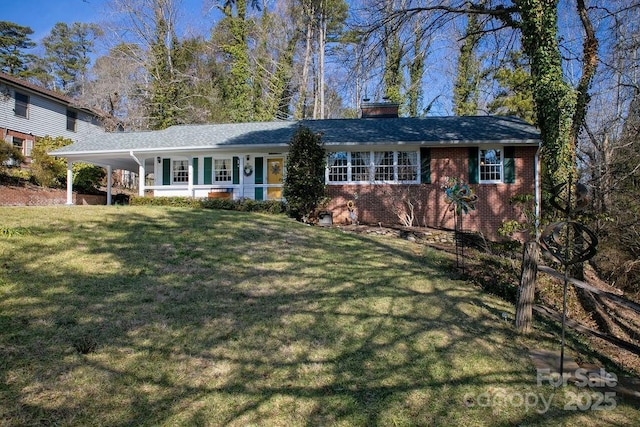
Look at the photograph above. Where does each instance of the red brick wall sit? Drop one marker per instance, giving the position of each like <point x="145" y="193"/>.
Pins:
<point x="375" y="203"/>
<point x="21" y="196"/>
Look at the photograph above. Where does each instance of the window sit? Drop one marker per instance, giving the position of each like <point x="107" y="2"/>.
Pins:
<point x="22" y="104"/>
<point x="368" y="166"/>
<point x="407" y="166"/>
<point x="19" y="144"/>
<point x="338" y="166"/>
<point x="180" y="171"/>
<point x="72" y="116"/>
<point x="360" y="166"/>
<point x="491" y="165"/>
<point x="222" y="171"/>
<point x="383" y="161"/>
<point x="28" y="148"/>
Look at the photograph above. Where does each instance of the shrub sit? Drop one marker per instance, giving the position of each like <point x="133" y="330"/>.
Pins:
<point x="304" y="186"/>
<point x="242" y="205"/>
<point x="9" y="152"/>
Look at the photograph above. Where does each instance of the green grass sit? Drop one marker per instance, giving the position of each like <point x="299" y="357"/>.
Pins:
<point x="171" y="316"/>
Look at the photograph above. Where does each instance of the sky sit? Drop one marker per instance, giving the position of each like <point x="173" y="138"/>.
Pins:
<point x="42" y="15"/>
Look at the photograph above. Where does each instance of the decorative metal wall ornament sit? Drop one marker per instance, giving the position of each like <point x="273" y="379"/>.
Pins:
<point x="568" y="242"/>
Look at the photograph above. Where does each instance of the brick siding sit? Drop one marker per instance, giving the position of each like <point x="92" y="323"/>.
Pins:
<point x="375" y="202"/>
<point x="23" y="196"/>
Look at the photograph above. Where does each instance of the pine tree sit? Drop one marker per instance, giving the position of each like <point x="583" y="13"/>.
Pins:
<point x="14" y="39"/>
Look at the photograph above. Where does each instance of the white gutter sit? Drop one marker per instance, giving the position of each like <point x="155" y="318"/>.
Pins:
<point x="135" y="158"/>
<point x="141" y="174"/>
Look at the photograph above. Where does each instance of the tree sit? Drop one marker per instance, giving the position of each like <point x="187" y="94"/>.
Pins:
<point x="238" y="91"/>
<point x="14" y="39"/>
<point x="9" y="153"/>
<point x="466" y="87"/>
<point x="67" y="55"/>
<point x="304" y="186"/>
<point x="515" y="97"/>
<point x="52" y="172"/>
<point x="117" y="85"/>
<point x="560" y="107"/>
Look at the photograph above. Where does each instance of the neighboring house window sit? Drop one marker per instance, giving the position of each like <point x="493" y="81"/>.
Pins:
<point x="19" y="144"/>
<point x="338" y="166"/>
<point x="22" y="104"/>
<point x="28" y="147"/>
<point x="490" y="165"/>
<point x="366" y="166"/>
<point x="180" y="171"/>
<point x="72" y="117"/>
<point x="222" y="171"/>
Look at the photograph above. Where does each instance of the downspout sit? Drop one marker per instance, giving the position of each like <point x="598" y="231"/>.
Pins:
<point x="140" y="174"/>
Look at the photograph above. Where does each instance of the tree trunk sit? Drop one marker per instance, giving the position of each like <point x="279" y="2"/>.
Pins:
<point x="526" y="291"/>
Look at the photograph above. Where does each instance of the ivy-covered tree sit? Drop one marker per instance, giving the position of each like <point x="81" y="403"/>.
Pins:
<point x="466" y="87"/>
<point x="304" y="186"/>
<point x="14" y="40"/>
<point x="238" y="91"/>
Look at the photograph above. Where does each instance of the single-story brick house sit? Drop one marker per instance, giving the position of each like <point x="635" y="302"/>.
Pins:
<point x="374" y="161"/>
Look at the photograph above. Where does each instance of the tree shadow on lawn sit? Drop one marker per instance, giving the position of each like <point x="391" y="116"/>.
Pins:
<point x="218" y="318"/>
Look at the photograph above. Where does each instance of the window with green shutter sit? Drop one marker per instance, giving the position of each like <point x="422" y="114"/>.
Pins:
<point x="166" y="171"/>
<point x="473" y="165"/>
<point x="195" y="171"/>
<point x="208" y="170"/>
<point x="236" y="170"/>
<point x="509" y="165"/>
<point x="425" y="165"/>
<point x="259" y="170"/>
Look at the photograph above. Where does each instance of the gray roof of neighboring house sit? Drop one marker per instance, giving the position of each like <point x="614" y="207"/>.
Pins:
<point x="427" y="131"/>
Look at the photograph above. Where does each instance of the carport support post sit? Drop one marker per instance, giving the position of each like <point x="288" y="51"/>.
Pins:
<point x="69" y="182"/>
<point x="190" y="178"/>
<point x="109" y="183"/>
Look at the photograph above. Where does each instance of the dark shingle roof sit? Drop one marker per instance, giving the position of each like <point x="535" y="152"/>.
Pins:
<point x="427" y="131"/>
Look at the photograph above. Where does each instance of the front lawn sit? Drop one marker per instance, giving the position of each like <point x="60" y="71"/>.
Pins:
<point x="172" y="316"/>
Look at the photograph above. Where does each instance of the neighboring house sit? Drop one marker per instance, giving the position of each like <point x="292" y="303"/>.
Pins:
<point x="374" y="161"/>
<point x="28" y="111"/>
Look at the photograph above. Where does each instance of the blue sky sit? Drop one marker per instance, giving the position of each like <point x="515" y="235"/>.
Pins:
<point x="42" y="15"/>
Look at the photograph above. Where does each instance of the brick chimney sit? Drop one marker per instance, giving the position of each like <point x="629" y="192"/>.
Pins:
<point x="379" y="110"/>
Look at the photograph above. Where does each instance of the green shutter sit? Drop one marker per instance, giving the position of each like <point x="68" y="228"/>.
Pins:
<point x="166" y="171"/>
<point x="509" y="165"/>
<point x="259" y="193"/>
<point x="207" y="170"/>
<point x="425" y="165"/>
<point x="473" y="165"/>
<point x="259" y="170"/>
<point x="195" y="171"/>
<point x="236" y="170"/>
